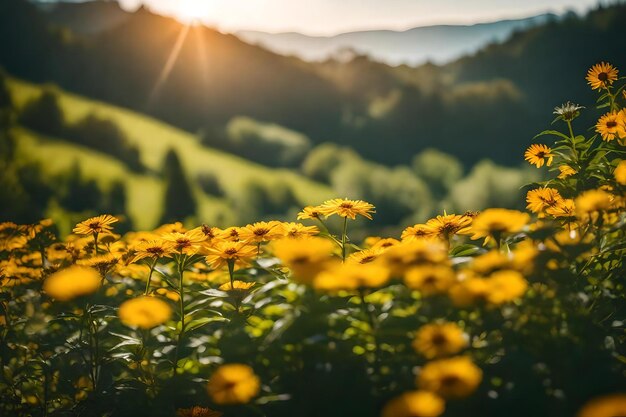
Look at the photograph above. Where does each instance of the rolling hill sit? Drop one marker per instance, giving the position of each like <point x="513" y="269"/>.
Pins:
<point x="154" y="139"/>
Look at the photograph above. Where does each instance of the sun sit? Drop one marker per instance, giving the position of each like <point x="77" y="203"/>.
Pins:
<point x="192" y="11"/>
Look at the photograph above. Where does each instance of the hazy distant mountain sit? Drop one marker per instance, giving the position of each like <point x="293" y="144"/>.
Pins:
<point x="438" y="44"/>
<point x="87" y="17"/>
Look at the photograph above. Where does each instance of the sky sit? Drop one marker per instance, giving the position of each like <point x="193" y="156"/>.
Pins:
<point x="327" y="17"/>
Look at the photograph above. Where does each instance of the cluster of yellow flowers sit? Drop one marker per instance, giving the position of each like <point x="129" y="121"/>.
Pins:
<point x="186" y="273"/>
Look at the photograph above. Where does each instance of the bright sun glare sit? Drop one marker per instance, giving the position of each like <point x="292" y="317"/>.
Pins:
<point x="192" y="11"/>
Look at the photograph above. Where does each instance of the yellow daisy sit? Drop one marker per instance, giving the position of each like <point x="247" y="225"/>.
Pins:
<point x="95" y="225"/>
<point x="612" y="125"/>
<point x="601" y="75"/>
<point x="347" y="208"/>
<point x="538" y="154"/>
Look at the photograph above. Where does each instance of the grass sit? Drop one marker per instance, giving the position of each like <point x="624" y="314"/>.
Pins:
<point x="154" y="139"/>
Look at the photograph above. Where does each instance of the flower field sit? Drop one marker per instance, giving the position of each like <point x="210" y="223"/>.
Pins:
<point x="490" y="313"/>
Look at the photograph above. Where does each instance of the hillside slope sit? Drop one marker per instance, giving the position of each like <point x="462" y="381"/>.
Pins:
<point x="154" y="139"/>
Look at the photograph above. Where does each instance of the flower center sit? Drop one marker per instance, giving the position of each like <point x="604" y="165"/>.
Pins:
<point x="603" y="76"/>
<point x="611" y="124"/>
<point x="346" y="205"/>
<point x="261" y="232"/>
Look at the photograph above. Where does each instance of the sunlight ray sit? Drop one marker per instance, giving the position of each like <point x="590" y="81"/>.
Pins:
<point x="169" y="65"/>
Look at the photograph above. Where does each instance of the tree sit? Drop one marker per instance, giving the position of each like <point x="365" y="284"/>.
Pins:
<point x="44" y="114"/>
<point x="179" y="201"/>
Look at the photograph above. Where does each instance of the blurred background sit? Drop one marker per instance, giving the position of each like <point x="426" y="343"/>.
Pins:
<point x="226" y="112"/>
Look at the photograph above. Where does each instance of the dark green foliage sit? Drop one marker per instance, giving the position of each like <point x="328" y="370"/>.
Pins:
<point x="105" y="136"/>
<point x="324" y="159"/>
<point x="256" y="199"/>
<point x="439" y="170"/>
<point x="265" y="143"/>
<point x="210" y="184"/>
<point x="77" y="193"/>
<point x="44" y="114"/>
<point x="179" y="201"/>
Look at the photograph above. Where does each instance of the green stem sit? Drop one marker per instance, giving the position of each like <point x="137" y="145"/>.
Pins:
<point x="150" y="276"/>
<point x="181" y="333"/>
<point x="95" y="242"/>
<point x="231" y="271"/>
<point x="571" y="134"/>
<point x="343" y="239"/>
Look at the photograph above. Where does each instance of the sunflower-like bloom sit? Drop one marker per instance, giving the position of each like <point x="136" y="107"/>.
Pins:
<point x="439" y="339"/>
<point x="232" y="234"/>
<point x="538" y="154"/>
<point x="261" y="232"/>
<point x="236" y="286"/>
<point x="310" y="213"/>
<point x="385" y="243"/>
<point x="210" y="232"/>
<point x="505" y="286"/>
<point x="153" y="249"/>
<point x="601" y="75"/>
<point x="606" y="406"/>
<point x="350" y="276"/>
<point x="415" y="403"/>
<point x="542" y="198"/>
<point x="406" y="255"/>
<point x="620" y="173"/>
<point x="233" y="384"/>
<point x="366" y="256"/>
<point x="95" y="225"/>
<point x="415" y="232"/>
<point x="102" y="263"/>
<point x="564" y="208"/>
<point x="240" y="253"/>
<point x="347" y="208"/>
<point x="430" y="279"/>
<point x="591" y="202"/>
<point x="198" y="411"/>
<point x="72" y="282"/>
<point x="448" y="225"/>
<point x="305" y="257"/>
<point x="565" y="171"/>
<point x="144" y="312"/>
<point x="451" y="378"/>
<point x="612" y="125"/>
<point x="492" y="223"/>
<point x="491" y="261"/>
<point x="298" y="230"/>
<point x="187" y="243"/>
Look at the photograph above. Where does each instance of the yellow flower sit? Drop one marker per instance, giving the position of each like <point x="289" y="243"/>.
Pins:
<point x="613" y="405"/>
<point x="430" y="279"/>
<point x="347" y="208"/>
<point x="95" y="225"/>
<point x="565" y="171"/>
<point x="187" y="243"/>
<point x="505" y="286"/>
<point x="385" y="243"/>
<point x="564" y="208"/>
<point x="469" y="291"/>
<point x="542" y="198"/>
<point x="538" y="154"/>
<point x="233" y="384"/>
<point x="612" y="125"/>
<point x="72" y="282"/>
<point x="305" y="257"/>
<point x="198" y="411"/>
<point x="226" y="251"/>
<point x="451" y="378"/>
<point x="620" y="173"/>
<point x="351" y="277"/>
<point x="601" y="75"/>
<point x="102" y="263"/>
<point x="490" y="262"/>
<point x="418" y="231"/>
<point x="261" y="232"/>
<point x="591" y="202"/>
<point x="298" y="230"/>
<point x="439" y="339"/>
<point x="415" y="404"/>
<point x="448" y="225"/>
<point x="365" y="256"/>
<point x="237" y="286"/>
<point x="310" y="212"/>
<point x="492" y="223"/>
<point x="406" y="255"/>
<point x="154" y="249"/>
<point x="232" y="234"/>
<point x="144" y="312"/>
<point x="209" y="232"/>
